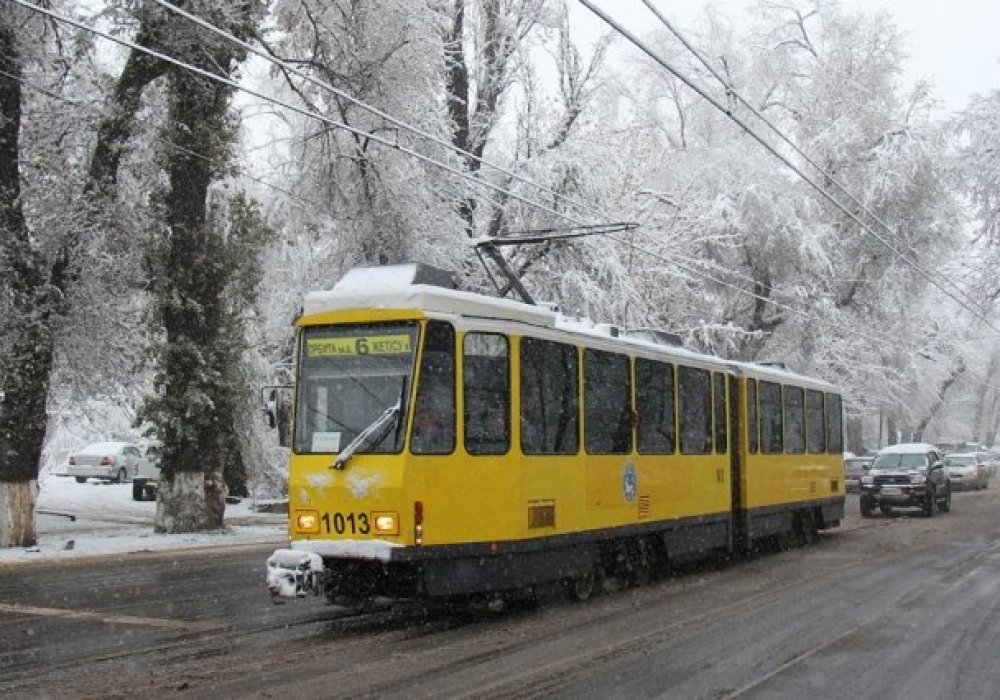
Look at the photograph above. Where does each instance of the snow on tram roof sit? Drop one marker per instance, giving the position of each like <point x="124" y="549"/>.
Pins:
<point x="418" y="286"/>
<point x="393" y="288"/>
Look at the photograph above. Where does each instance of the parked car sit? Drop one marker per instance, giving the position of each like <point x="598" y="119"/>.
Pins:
<point x="968" y="470"/>
<point x="909" y="475"/>
<point x="992" y="459"/>
<point x="147" y="479"/>
<point x="854" y="469"/>
<point x="116" y="462"/>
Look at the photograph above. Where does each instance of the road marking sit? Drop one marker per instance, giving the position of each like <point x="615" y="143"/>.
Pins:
<point x="111" y="618"/>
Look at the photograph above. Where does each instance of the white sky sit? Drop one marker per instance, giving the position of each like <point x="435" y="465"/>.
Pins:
<point x="953" y="44"/>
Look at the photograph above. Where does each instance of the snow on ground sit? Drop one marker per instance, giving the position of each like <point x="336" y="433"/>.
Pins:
<point x="108" y="521"/>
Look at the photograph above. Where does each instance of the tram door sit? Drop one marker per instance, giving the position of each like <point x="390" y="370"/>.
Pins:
<point x="737" y="419"/>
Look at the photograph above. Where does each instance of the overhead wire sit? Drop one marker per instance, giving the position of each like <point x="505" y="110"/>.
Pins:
<point x="300" y="110"/>
<point x="638" y="43"/>
<point x="884" y="341"/>
<point x="685" y="262"/>
<point x="284" y="65"/>
<point x="731" y="90"/>
<point x="394" y="145"/>
<point x="169" y="144"/>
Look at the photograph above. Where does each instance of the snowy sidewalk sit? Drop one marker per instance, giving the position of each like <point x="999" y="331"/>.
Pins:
<point x="105" y="520"/>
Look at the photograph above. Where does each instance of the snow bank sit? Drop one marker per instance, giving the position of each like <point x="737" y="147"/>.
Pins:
<point x="79" y="520"/>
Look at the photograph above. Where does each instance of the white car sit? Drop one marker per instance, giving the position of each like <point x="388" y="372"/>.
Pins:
<point x="117" y="462"/>
<point x="968" y="470"/>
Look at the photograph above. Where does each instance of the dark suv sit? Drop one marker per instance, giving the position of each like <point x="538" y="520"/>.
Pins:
<point x="909" y="475"/>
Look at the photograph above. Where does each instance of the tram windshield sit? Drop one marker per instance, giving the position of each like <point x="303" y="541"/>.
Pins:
<point x="348" y="377"/>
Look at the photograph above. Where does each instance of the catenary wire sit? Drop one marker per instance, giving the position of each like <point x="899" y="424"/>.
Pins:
<point x="829" y="177"/>
<point x="300" y="110"/>
<point x="390" y="144"/>
<point x="773" y="151"/>
<point x="62" y="98"/>
<point x="883" y="341"/>
<point x="284" y="65"/>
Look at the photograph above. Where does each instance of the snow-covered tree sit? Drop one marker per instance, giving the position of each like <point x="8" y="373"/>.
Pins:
<point x="196" y="264"/>
<point x="27" y="302"/>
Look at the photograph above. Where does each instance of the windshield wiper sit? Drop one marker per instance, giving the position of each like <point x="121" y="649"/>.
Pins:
<point x="363" y="436"/>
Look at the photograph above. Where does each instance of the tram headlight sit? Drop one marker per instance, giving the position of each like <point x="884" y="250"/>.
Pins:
<point x="307" y="521"/>
<point x="386" y="523"/>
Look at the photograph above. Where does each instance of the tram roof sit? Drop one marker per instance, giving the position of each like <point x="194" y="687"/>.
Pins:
<point x="404" y="287"/>
<point x="400" y="287"/>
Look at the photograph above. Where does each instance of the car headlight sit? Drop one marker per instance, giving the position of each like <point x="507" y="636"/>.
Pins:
<point x="918" y="478"/>
<point x="867" y="480"/>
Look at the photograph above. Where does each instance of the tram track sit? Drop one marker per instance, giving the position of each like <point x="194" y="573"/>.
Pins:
<point x="536" y="680"/>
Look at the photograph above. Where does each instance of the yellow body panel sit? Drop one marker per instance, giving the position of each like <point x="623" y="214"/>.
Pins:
<point x="776" y="479"/>
<point x="490" y="498"/>
<point x="371" y="483"/>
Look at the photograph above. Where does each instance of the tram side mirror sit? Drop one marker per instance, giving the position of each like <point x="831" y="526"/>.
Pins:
<point x="271" y="409"/>
<point x="277" y="411"/>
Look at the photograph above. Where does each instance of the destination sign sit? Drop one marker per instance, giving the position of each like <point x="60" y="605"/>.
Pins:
<point x="358" y="345"/>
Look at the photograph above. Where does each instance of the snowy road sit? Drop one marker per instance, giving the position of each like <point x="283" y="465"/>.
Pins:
<point x="889" y="607"/>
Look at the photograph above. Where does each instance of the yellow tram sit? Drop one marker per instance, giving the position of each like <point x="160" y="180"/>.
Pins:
<point x="446" y="443"/>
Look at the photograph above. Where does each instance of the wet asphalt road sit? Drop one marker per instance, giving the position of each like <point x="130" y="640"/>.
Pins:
<point x="888" y="607"/>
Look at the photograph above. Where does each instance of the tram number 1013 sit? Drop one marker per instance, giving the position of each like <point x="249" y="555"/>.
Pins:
<point x="346" y="523"/>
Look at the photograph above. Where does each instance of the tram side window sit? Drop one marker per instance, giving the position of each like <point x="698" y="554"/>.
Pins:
<point x="696" y="410"/>
<point x="549" y="398"/>
<point x="434" y="417"/>
<point x="795" y="436"/>
<point x="655" y="406"/>
<point x="486" y="389"/>
<point x="770" y="418"/>
<point x="719" y="400"/>
<point x="834" y="425"/>
<point x="607" y="402"/>
<point x="752" y="427"/>
<point x="815" y="435"/>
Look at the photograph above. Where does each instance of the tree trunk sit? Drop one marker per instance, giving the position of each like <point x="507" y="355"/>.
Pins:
<point x="855" y="437"/>
<point x="37" y="292"/>
<point x="190" y="501"/>
<point x="24" y="368"/>
<point x="234" y="469"/>
<point x="985" y="397"/>
<point x="994" y="421"/>
<point x="918" y="432"/>
<point x="190" y="294"/>
<point x="16" y="499"/>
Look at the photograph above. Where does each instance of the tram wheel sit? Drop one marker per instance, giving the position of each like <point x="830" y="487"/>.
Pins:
<point x="805" y="528"/>
<point x="641" y="568"/>
<point x="580" y="588"/>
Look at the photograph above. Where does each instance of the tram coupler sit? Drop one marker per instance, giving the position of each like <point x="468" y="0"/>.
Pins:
<point x="292" y="573"/>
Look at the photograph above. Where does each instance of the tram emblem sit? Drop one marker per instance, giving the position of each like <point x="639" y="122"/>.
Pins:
<point x="630" y="482"/>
